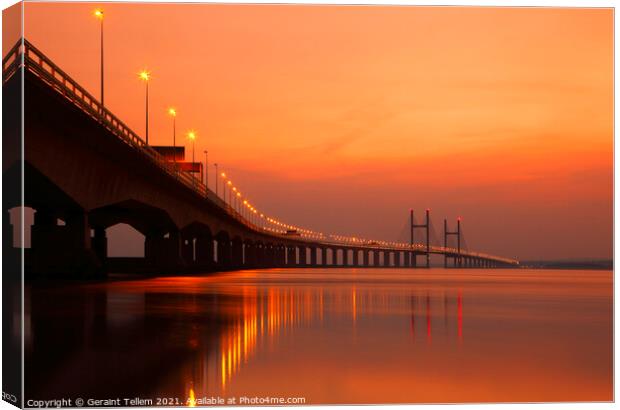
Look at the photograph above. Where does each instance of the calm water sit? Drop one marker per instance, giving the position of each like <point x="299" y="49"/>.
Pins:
<point x="330" y="336"/>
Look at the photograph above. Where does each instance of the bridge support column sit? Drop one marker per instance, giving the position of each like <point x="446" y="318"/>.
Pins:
<point x="313" y="257"/>
<point x="397" y="259"/>
<point x="237" y="253"/>
<point x="365" y="257"/>
<point x="345" y="257"/>
<point x="407" y="261"/>
<point x="62" y="250"/>
<point x="164" y="253"/>
<point x="376" y="259"/>
<point x="356" y="257"/>
<point x="291" y="256"/>
<point x="302" y="256"/>
<point x="323" y="256"/>
<point x="281" y="256"/>
<point x="269" y="259"/>
<point x="224" y="253"/>
<point x="249" y="253"/>
<point x="204" y="251"/>
<point x="260" y="255"/>
<point x="100" y="244"/>
<point x="386" y="259"/>
<point x="187" y="249"/>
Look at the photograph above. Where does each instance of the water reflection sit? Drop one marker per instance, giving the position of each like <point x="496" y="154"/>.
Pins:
<point x="355" y="336"/>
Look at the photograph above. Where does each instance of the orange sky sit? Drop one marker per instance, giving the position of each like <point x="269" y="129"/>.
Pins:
<point x="341" y="118"/>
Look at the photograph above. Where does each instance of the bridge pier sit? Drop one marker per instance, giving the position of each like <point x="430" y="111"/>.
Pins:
<point x="204" y="251"/>
<point x="237" y="253"/>
<point x="100" y="244"/>
<point x="313" y="256"/>
<point x="281" y="256"/>
<point x="397" y="259"/>
<point x="268" y="257"/>
<point x="164" y="253"/>
<point x="303" y="253"/>
<point x="365" y="258"/>
<point x="187" y="249"/>
<point x="355" y="257"/>
<point x="249" y="254"/>
<point x="224" y="253"/>
<point x="291" y="256"/>
<point x="345" y="257"/>
<point x="63" y="250"/>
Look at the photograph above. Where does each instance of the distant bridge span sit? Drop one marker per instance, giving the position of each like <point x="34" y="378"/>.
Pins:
<point x="83" y="165"/>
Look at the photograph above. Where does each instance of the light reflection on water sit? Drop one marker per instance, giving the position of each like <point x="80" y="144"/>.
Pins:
<point x="331" y="336"/>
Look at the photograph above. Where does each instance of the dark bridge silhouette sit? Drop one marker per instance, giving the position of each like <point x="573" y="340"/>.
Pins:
<point x="83" y="165"/>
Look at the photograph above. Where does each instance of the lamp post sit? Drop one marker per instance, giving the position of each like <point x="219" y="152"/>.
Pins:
<point x="192" y="137"/>
<point x="206" y="171"/>
<point x="229" y="193"/>
<point x="217" y="178"/>
<point x="173" y="113"/>
<point x="146" y="76"/>
<point x="99" y="15"/>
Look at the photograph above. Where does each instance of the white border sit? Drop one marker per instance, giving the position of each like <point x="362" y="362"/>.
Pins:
<point x="504" y="3"/>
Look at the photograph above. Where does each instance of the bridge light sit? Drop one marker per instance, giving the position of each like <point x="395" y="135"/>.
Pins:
<point x="223" y="175"/>
<point x="229" y="183"/>
<point x="172" y="112"/>
<point x="98" y="13"/>
<point x="191" y="135"/>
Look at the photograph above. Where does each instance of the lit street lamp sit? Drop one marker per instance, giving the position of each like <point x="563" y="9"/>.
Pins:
<point x="146" y="76"/>
<point x="99" y="15"/>
<point x="217" y="178"/>
<point x="173" y="113"/>
<point x="192" y="137"/>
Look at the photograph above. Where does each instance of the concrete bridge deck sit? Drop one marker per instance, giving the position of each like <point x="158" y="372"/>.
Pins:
<point x="85" y="166"/>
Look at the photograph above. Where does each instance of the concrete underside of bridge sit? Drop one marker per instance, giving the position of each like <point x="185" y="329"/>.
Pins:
<point x="77" y="171"/>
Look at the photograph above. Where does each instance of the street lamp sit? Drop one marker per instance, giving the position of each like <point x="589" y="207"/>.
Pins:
<point x="99" y="15"/>
<point x="146" y="76"/>
<point x="217" y="176"/>
<point x="173" y="113"/>
<point x="206" y="171"/>
<point x="192" y="137"/>
<point x="229" y="192"/>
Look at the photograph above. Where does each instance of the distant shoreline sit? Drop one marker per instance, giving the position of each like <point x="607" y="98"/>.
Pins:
<point x="575" y="264"/>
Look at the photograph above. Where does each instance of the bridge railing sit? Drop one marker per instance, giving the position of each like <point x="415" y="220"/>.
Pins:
<point x="12" y="61"/>
<point x="24" y="54"/>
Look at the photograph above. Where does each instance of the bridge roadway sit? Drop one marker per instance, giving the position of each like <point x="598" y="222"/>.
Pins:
<point x="84" y="166"/>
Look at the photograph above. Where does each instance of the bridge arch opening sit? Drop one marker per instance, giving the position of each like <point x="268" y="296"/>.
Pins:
<point x="124" y="241"/>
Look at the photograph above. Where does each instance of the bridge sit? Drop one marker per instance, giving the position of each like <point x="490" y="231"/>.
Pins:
<point x="83" y="166"/>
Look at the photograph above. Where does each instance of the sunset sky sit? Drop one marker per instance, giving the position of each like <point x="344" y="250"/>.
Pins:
<point x="341" y="118"/>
